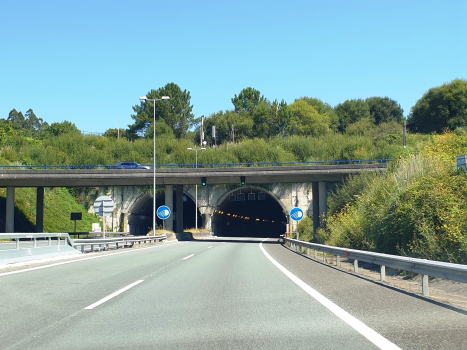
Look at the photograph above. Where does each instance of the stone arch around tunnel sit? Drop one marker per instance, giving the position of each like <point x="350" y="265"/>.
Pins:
<point x="140" y="215"/>
<point x="256" y="188"/>
<point x="140" y="212"/>
<point x="249" y="211"/>
<point x="130" y="200"/>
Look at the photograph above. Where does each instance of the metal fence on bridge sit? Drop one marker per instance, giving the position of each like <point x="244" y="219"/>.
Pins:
<point x="173" y="166"/>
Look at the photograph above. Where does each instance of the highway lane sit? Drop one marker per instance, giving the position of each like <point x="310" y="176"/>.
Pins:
<point x="208" y="294"/>
<point x="409" y="320"/>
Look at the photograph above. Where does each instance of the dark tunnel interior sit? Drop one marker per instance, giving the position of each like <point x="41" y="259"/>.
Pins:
<point x="249" y="212"/>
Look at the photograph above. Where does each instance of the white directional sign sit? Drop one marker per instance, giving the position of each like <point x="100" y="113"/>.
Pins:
<point x="104" y="206"/>
<point x="163" y="212"/>
<point x="296" y="214"/>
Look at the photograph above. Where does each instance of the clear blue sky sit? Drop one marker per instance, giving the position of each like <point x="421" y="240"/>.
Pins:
<point x="88" y="62"/>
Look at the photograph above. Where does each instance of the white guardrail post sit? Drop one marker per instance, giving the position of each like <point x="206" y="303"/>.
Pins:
<point x="455" y="272"/>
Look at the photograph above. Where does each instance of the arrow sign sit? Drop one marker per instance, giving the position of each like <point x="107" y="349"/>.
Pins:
<point x="163" y="212"/>
<point x="296" y="214"/>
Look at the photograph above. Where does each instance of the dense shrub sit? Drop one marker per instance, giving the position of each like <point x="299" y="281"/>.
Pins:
<point x="417" y="208"/>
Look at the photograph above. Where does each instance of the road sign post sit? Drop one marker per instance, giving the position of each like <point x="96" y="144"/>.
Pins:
<point x="104" y="206"/>
<point x="76" y="216"/>
<point x="163" y="213"/>
<point x="296" y="214"/>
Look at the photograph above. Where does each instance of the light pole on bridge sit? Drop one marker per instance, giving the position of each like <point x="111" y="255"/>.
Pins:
<point x="196" y="186"/>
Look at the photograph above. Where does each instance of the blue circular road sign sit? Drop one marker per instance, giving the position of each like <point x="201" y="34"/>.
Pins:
<point x="163" y="212"/>
<point x="296" y="214"/>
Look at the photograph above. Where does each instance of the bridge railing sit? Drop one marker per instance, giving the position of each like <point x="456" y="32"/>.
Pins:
<point x="173" y="166"/>
<point x="455" y="272"/>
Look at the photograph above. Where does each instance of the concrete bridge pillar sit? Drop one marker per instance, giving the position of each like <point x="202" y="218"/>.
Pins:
<point x="10" y="210"/>
<point x="315" y="196"/>
<point x="40" y="210"/>
<point x="179" y="205"/>
<point x="207" y="221"/>
<point x="320" y="203"/>
<point x="169" y="201"/>
<point x="124" y="220"/>
<point x="323" y="201"/>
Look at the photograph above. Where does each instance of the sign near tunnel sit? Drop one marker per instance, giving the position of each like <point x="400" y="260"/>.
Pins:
<point x="163" y="212"/>
<point x="296" y="214"/>
<point x="104" y="206"/>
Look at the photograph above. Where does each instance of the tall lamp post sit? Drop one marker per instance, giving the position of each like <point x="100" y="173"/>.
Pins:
<point x="196" y="186"/>
<point x="145" y="98"/>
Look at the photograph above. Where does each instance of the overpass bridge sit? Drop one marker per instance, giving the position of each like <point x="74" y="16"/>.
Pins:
<point x="317" y="175"/>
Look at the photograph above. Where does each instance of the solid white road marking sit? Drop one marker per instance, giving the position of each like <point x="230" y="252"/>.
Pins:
<point x="83" y="259"/>
<point x="113" y="295"/>
<point x="188" y="257"/>
<point x="353" y="322"/>
<point x="210" y="247"/>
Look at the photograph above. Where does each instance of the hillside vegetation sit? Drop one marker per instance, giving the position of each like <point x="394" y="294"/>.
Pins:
<point x="417" y="208"/>
<point x="58" y="204"/>
<point x="362" y="141"/>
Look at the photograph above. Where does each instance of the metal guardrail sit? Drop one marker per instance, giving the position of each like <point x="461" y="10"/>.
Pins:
<point x="173" y="166"/>
<point x="455" y="272"/>
<point x="33" y="237"/>
<point x="101" y="242"/>
<point x="104" y="243"/>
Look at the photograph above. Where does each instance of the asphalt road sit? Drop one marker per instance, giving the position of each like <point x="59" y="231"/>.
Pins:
<point x="216" y="295"/>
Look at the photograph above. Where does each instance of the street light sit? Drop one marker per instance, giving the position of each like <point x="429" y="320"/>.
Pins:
<point x="145" y="98"/>
<point x="196" y="186"/>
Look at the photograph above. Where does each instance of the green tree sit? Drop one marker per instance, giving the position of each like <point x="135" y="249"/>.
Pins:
<point x="385" y="110"/>
<point x="323" y="108"/>
<point x="34" y="126"/>
<point x="115" y="133"/>
<point x="247" y="100"/>
<point x="16" y="119"/>
<point x="57" y="129"/>
<point x="306" y="120"/>
<point x="271" y="119"/>
<point x="441" y="107"/>
<point x="172" y="115"/>
<point x="351" y="111"/>
<point x="223" y="121"/>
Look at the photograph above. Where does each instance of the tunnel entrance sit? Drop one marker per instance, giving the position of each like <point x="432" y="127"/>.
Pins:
<point x="140" y="218"/>
<point x="249" y="212"/>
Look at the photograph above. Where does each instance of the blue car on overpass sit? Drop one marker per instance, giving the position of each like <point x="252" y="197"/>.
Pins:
<point x="130" y="165"/>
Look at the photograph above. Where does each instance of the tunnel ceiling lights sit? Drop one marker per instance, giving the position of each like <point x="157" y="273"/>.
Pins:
<point x="244" y="217"/>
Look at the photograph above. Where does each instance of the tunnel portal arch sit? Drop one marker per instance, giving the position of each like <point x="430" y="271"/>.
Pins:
<point x="141" y="213"/>
<point x="249" y="212"/>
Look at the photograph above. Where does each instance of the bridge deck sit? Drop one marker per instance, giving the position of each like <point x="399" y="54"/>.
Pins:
<point x="254" y="175"/>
